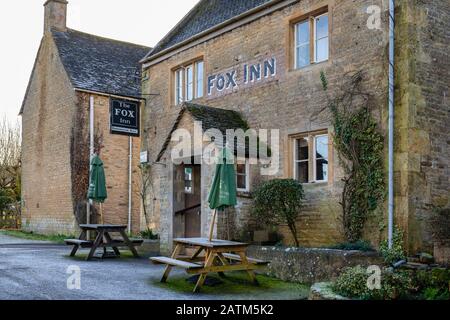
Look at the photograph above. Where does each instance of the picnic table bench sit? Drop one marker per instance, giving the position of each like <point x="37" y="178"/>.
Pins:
<point x="220" y="256"/>
<point x="103" y="239"/>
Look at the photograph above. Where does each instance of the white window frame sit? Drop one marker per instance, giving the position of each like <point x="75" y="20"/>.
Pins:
<point x="181" y="92"/>
<point x="297" y="45"/>
<point x="247" y="177"/>
<point x="316" y="39"/>
<point x="315" y="157"/>
<point x="296" y="161"/>
<point x="312" y="22"/>
<point x="199" y="84"/>
<point x="189" y="84"/>
<point x="178" y="86"/>
<point x="312" y="165"/>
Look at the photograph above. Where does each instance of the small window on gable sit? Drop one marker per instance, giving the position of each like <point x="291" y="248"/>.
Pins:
<point x="311" y="41"/>
<point x="188" y="82"/>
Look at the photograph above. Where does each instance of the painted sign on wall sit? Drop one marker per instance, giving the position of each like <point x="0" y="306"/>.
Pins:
<point x="124" y="117"/>
<point x="247" y="75"/>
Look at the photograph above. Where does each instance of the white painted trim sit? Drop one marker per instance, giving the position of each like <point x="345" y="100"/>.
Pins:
<point x="315" y="158"/>
<point x="247" y="177"/>
<point x="315" y="40"/>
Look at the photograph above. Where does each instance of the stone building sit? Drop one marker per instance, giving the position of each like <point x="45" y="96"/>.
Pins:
<point x="261" y="60"/>
<point x="76" y="73"/>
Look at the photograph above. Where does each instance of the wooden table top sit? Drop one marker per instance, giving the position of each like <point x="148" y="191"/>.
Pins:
<point x="101" y="226"/>
<point x="215" y="243"/>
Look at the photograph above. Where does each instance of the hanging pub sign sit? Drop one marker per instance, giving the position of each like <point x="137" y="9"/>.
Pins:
<point x="124" y="117"/>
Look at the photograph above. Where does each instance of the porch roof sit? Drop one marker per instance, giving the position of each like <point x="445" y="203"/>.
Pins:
<point x="211" y="118"/>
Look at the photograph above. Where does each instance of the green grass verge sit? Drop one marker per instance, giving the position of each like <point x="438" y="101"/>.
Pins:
<point x="57" y="238"/>
<point x="237" y="284"/>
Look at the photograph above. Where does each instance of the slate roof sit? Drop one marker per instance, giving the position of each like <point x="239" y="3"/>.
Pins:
<point x="205" y="15"/>
<point x="210" y="117"/>
<point x="99" y="64"/>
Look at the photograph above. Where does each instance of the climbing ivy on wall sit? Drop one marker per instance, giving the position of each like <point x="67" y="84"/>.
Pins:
<point x="359" y="145"/>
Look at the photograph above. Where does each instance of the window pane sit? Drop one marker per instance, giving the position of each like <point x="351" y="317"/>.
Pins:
<point x="302" y="32"/>
<point x="322" y="27"/>
<point x="178" y="86"/>
<point x="241" y="176"/>
<point x="302" y="149"/>
<point x="241" y="182"/>
<point x="303" y="57"/>
<point x="322" y="50"/>
<point x="188" y="187"/>
<point x="240" y="169"/>
<point x="321" y="158"/>
<point x="321" y="170"/>
<point x="188" y="180"/>
<point x="200" y="79"/>
<point x="302" y="172"/>
<point x="322" y="147"/>
<point x="189" y="83"/>
<point x="188" y="174"/>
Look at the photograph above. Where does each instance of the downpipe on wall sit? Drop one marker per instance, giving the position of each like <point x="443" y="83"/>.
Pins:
<point x="130" y="196"/>
<point x="391" y="122"/>
<point x="91" y="155"/>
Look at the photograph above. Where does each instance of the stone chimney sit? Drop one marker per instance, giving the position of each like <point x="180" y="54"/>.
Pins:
<point x="55" y="15"/>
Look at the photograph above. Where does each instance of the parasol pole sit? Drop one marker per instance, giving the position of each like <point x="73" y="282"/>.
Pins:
<point x="211" y="227"/>
<point x="101" y="214"/>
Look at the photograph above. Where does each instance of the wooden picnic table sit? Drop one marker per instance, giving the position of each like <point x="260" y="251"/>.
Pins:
<point x="103" y="239"/>
<point x="219" y="256"/>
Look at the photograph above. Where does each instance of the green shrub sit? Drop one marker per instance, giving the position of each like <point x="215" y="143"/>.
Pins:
<point x="396" y="253"/>
<point x="148" y="234"/>
<point x="277" y="202"/>
<point x="434" y="284"/>
<point x="352" y="283"/>
<point x="400" y="284"/>
<point x="358" y="245"/>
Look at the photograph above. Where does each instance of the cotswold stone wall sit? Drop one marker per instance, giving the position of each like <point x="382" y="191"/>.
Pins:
<point x="422" y="117"/>
<point x="305" y="265"/>
<point x="114" y="152"/>
<point x="291" y="102"/>
<point x="49" y="112"/>
<point x="55" y="157"/>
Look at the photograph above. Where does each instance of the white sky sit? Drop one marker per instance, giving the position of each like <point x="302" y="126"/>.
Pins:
<point x="21" y="27"/>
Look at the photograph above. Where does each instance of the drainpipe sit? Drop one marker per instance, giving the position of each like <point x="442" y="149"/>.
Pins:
<point x="91" y="153"/>
<point x="130" y="164"/>
<point x="391" y="123"/>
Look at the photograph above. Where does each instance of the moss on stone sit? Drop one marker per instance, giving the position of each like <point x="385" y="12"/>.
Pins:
<point x="238" y="285"/>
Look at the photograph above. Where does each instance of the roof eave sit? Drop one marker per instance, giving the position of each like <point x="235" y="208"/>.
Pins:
<point x="109" y="94"/>
<point x="270" y="6"/>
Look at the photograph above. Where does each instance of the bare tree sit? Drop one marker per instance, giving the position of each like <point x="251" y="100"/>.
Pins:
<point x="10" y="153"/>
<point x="10" y="163"/>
